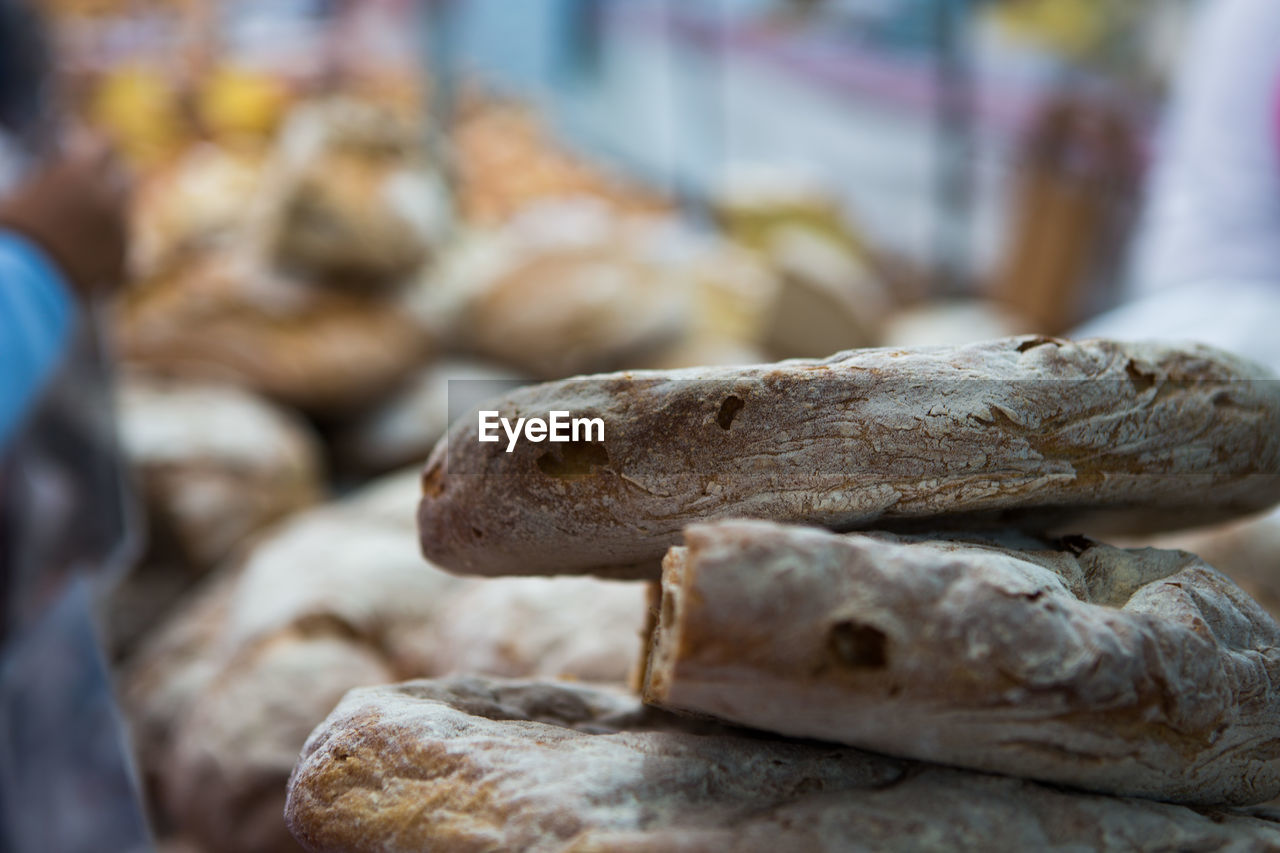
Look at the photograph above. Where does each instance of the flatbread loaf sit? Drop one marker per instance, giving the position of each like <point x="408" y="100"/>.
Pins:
<point x="467" y="764"/>
<point x="1042" y="432"/>
<point x="1140" y="672"/>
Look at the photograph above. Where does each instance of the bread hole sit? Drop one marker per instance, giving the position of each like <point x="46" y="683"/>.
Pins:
<point x="575" y="460"/>
<point x="1037" y="341"/>
<point x="1075" y="544"/>
<point x="1141" y="379"/>
<point x="728" y="409"/>
<point x="477" y="533"/>
<point x="858" y="646"/>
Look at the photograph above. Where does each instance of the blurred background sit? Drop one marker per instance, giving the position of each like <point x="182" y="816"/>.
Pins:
<point x="953" y="150"/>
<point x="341" y="206"/>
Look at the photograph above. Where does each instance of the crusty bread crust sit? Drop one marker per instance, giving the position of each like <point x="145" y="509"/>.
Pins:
<point x="1035" y="431"/>
<point x="223" y="696"/>
<point x="468" y="764"/>
<point x="1141" y="672"/>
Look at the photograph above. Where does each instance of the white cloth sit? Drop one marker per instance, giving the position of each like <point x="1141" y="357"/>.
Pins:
<point x="1238" y="316"/>
<point x="1207" y="257"/>
<point x="1214" y="207"/>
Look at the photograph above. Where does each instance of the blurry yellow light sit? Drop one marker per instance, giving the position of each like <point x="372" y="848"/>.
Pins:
<point x="1071" y="26"/>
<point x="139" y="108"/>
<point x="235" y="102"/>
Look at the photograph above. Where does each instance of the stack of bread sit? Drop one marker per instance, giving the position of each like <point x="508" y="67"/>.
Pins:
<point x="875" y="622"/>
<point x="574" y="286"/>
<point x="296" y="280"/>
<point x="213" y="465"/>
<point x="222" y="696"/>
<point x="566" y="287"/>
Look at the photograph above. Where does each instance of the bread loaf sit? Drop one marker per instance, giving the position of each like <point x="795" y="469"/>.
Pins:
<point x="231" y="318"/>
<point x="349" y="196"/>
<point x="468" y="764"/>
<point x="223" y="696"/>
<point x="566" y="288"/>
<point x="1092" y="435"/>
<point x="1140" y="672"/>
<point x="1247" y="551"/>
<point x="215" y="463"/>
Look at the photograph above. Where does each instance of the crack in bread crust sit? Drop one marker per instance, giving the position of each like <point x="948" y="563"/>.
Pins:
<point x="1134" y="672"/>
<point x="1044" y="436"/>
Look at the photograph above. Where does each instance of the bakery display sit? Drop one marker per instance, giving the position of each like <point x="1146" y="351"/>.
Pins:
<point x="1088" y="436"/>
<point x="469" y="764"/>
<point x="1131" y="672"/>
<point x="973" y="644"/>
<point x="857" y="601"/>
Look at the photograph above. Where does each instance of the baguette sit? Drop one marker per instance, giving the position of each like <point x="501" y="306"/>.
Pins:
<point x="470" y="764"/>
<point x="1035" y="431"/>
<point x="1143" y="672"/>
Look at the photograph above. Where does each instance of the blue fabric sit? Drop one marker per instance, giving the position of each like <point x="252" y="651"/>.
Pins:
<point x="36" y="316"/>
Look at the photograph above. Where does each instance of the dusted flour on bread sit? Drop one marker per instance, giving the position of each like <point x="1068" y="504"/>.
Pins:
<point x="215" y="462"/>
<point x="222" y="696"/>
<point x="1034" y="431"/>
<point x="469" y="764"/>
<point x="1140" y="672"/>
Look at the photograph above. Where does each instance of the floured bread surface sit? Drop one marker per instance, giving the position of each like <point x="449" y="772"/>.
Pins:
<point x="223" y="695"/>
<point x="1139" y="672"/>
<point x="1247" y="551"/>
<point x="1035" y="431"/>
<point x="215" y="463"/>
<point x="471" y="764"/>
